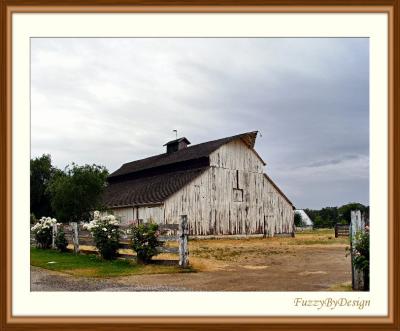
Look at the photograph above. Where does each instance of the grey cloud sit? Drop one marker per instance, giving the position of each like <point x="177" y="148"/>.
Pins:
<point x="110" y="101"/>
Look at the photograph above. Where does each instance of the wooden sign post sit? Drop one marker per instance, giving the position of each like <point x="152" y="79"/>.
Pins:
<point x="54" y="235"/>
<point x="75" y="237"/>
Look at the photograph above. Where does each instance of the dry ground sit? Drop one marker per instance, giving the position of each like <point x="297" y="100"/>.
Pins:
<point x="313" y="261"/>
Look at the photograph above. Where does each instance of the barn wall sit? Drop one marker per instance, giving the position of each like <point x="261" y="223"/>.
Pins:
<point x="123" y="214"/>
<point x="230" y="200"/>
<point x="281" y="213"/>
<point x="236" y="155"/>
<point x="155" y="213"/>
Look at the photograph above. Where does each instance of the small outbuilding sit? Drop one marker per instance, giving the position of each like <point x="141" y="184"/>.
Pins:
<point x="305" y="219"/>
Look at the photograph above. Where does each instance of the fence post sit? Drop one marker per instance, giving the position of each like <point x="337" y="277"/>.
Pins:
<point x="75" y="237"/>
<point x="183" y="242"/>
<point x="54" y="235"/>
<point x="357" y="224"/>
<point x="336" y="231"/>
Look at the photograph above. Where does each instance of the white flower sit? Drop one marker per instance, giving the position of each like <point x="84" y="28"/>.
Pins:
<point x="113" y="230"/>
<point x="104" y="229"/>
<point x="128" y="231"/>
<point x="108" y="236"/>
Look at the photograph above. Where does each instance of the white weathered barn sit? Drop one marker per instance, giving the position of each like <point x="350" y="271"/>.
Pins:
<point x="220" y="185"/>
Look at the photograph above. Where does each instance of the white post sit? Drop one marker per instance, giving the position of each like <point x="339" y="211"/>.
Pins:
<point x="54" y="235"/>
<point x="357" y="224"/>
<point x="183" y="242"/>
<point x="75" y="236"/>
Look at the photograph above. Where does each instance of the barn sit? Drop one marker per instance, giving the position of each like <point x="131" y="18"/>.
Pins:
<point x="220" y="185"/>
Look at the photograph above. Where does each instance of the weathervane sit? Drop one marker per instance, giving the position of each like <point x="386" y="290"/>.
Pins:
<point x="176" y="133"/>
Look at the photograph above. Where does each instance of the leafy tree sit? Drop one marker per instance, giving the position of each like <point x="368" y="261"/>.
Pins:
<point x="329" y="216"/>
<point x="41" y="172"/>
<point x="76" y="192"/>
<point x="298" y="220"/>
<point x="345" y="210"/>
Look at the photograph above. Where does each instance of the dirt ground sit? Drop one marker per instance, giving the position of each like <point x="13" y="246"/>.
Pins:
<point x="310" y="262"/>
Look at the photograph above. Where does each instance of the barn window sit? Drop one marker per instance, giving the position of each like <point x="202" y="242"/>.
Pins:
<point x="237" y="195"/>
<point x="237" y="192"/>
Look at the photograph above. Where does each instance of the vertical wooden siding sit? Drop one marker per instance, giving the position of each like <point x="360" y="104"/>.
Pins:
<point x="145" y="213"/>
<point x="154" y="213"/>
<point x="211" y="202"/>
<point x="124" y="214"/>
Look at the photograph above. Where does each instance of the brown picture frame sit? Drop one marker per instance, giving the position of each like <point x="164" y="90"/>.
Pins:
<point x="10" y="322"/>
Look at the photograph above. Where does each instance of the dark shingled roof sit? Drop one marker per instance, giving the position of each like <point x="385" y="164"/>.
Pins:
<point x="189" y="153"/>
<point x="154" y="179"/>
<point x="148" y="190"/>
<point x="177" y="141"/>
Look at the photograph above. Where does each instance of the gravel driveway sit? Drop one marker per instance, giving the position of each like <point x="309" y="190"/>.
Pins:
<point x="48" y="280"/>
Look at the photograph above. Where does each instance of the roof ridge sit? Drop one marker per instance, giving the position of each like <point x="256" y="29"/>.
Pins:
<point x="181" y="155"/>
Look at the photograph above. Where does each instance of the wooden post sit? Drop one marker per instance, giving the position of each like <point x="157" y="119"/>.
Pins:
<point x="336" y="231"/>
<point x="265" y="228"/>
<point x="75" y="237"/>
<point x="357" y="224"/>
<point x="54" y="235"/>
<point x="183" y="242"/>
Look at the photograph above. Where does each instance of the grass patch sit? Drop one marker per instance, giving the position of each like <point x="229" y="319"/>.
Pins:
<point x="342" y="287"/>
<point x="94" y="266"/>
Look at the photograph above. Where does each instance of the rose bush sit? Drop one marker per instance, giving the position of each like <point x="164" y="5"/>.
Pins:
<point x="43" y="231"/>
<point x="361" y="255"/>
<point x="60" y="240"/>
<point x="105" y="232"/>
<point x="145" y="241"/>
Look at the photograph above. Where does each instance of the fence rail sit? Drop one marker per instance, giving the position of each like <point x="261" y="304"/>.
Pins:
<point x="78" y="236"/>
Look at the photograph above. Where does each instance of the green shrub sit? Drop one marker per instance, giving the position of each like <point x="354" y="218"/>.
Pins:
<point x="145" y="241"/>
<point x="361" y="255"/>
<point x="106" y="233"/>
<point x="43" y="231"/>
<point x="60" y="241"/>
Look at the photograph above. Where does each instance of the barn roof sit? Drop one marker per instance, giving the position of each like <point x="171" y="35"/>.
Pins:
<point x="148" y="190"/>
<point x="278" y="189"/>
<point x="152" y="180"/>
<point x="186" y="154"/>
<point x="177" y="141"/>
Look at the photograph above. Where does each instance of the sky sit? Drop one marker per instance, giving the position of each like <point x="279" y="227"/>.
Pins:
<point x="109" y="101"/>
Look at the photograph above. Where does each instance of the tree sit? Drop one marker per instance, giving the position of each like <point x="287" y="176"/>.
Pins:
<point x="329" y="216"/>
<point x="77" y="191"/>
<point x="345" y="210"/>
<point x="41" y="174"/>
<point x="298" y="220"/>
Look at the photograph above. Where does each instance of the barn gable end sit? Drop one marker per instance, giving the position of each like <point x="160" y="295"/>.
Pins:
<point x="237" y="155"/>
<point x="232" y="196"/>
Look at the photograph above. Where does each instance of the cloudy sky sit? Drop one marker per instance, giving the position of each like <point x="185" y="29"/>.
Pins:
<point x="111" y="101"/>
